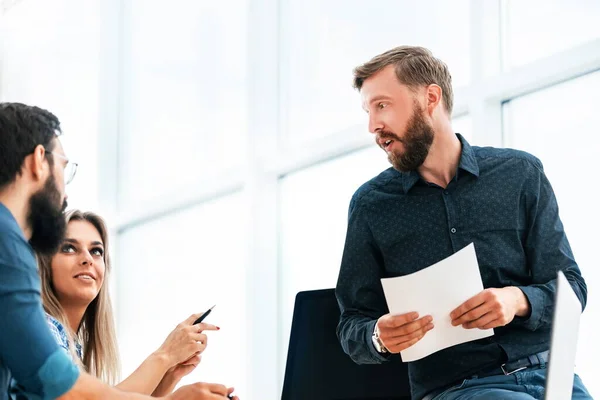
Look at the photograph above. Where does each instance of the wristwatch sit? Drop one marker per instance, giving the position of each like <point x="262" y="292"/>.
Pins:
<point x="377" y="343"/>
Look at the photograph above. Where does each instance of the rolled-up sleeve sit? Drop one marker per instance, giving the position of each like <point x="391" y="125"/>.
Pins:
<point x="36" y="362"/>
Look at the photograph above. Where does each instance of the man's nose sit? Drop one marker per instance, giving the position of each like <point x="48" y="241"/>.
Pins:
<point x="375" y="124"/>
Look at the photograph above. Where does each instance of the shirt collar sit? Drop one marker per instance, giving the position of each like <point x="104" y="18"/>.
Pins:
<point x="467" y="163"/>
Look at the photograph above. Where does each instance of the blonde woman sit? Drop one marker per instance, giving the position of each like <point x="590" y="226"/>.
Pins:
<point x="77" y="302"/>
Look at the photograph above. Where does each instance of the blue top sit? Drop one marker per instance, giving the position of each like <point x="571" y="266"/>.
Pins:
<point x="501" y="200"/>
<point x="28" y="351"/>
<point x="61" y="336"/>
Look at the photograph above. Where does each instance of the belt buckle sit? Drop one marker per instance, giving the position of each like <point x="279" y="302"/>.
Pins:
<point x="511" y="372"/>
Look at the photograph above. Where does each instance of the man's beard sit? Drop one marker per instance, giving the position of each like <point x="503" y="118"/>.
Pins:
<point x="46" y="219"/>
<point x="416" y="141"/>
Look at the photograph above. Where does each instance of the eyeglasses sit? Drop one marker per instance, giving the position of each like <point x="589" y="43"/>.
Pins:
<point x="70" y="168"/>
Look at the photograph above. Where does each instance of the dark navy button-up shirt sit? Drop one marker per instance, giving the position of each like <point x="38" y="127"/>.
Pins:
<point x="500" y="200"/>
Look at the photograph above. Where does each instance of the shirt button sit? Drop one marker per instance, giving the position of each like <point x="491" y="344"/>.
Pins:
<point x="453" y="230"/>
<point x="445" y="192"/>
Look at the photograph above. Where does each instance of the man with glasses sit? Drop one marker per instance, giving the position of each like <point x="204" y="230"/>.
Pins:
<point x="34" y="171"/>
<point x="70" y="167"/>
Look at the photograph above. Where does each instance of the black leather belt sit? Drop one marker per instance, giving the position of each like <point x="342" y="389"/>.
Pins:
<point x="511" y="367"/>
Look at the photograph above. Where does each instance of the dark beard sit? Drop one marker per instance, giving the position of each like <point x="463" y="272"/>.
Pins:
<point x="417" y="140"/>
<point x="46" y="219"/>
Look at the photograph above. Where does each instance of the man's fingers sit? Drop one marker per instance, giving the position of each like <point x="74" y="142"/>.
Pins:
<point x="480" y="322"/>
<point x="404" y="345"/>
<point x="472" y="315"/>
<point x="493" y="324"/>
<point x="468" y="305"/>
<point x="416" y="334"/>
<point x="492" y="319"/>
<point x="394" y="321"/>
<point x="407" y="329"/>
<point x="400" y="343"/>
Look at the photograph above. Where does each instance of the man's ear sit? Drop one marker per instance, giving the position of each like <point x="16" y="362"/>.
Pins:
<point x="434" y="97"/>
<point x="37" y="163"/>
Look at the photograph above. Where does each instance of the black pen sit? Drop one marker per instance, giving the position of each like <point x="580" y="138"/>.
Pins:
<point x="203" y="315"/>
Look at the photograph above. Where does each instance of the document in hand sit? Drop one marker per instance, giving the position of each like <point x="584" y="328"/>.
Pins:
<point x="436" y="291"/>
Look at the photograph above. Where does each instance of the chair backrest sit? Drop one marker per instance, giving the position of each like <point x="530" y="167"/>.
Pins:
<point x="318" y="369"/>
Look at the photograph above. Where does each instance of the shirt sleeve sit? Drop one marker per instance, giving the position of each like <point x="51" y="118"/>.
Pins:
<point x="58" y="335"/>
<point x="358" y="290"/>
<point x="548" y="251"/>
<point x="36" y="362"/>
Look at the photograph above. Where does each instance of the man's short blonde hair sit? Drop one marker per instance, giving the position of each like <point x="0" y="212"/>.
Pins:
<point x="415" y="67"/>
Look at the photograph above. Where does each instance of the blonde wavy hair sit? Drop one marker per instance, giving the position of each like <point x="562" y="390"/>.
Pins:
<point x="96" y="332"/>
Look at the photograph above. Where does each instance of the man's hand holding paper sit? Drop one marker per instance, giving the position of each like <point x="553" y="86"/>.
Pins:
<point x="399" y="332"/>
<point x="427" y="293"/>
<point x="491" y="308"/>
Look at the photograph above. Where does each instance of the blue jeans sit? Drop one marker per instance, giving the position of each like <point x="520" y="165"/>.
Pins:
<point x="527" y="384"/>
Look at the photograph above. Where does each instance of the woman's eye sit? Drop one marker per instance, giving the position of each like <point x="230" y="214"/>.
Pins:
<point x="98" y="252"/>
<point x="68" y="248"/>
<point x="381" y="105"/>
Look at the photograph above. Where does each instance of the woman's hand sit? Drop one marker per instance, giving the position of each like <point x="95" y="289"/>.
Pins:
<point x="183" y="369"/>
<point x="185" y="341"/>
<point x="174" y="375"/>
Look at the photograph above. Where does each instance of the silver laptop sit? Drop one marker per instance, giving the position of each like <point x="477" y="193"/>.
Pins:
<point x="565" y="330"/>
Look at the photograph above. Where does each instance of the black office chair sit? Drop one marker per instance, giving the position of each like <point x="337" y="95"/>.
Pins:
<point x="318" y="369"/>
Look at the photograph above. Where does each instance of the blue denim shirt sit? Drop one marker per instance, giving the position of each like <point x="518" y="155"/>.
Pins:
<point x="501" y="200"/>
<point x="61" y="335"/>
<point x="28" y="351"/>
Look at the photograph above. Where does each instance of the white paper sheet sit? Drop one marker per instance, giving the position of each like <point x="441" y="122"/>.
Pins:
<point x="436" y="291"/>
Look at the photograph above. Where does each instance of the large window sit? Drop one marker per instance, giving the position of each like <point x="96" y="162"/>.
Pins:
<point x="184" y="94"/>
<point x="182" y="264"/>
<point x="559" y="125"/>
<point x="169" y="106"/>
<point x="324" y="40"/>
<point x="537" y="28"/>
<point x="50" y="59"/>
<point x="314" y="214"/>
<point x="464" y="126"/>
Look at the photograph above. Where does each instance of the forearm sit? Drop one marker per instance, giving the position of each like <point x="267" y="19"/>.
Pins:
<point x="89" y="388"/>
<point x="147" y="376"/>
<point x="165" y="387"/>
